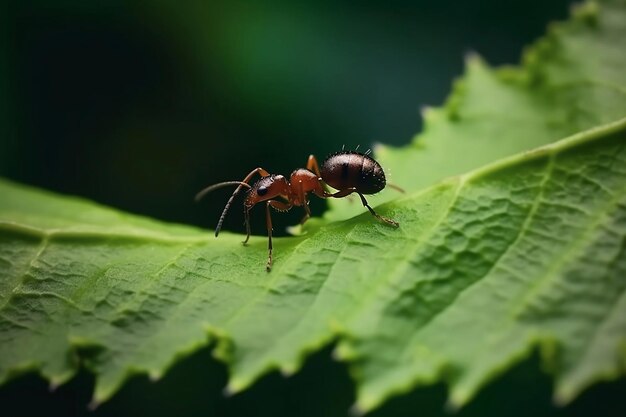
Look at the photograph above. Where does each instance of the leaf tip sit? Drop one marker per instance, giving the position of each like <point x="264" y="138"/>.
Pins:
<point x="343" y="352"/>
<point x="456" y="400"/>
<point x="93" y="404"/>
<point x="472" y="57"/>
<point x="228" y="391"/>
<point x="356" y="410"/>
<point x="365" y="403"/>
<point x="474" y="66"/>
<point x="426" y="111"/>
<point x="233" y="387"/>
<point x="562" y="397"/>
<point x="288" y="370"/>
<point x="587" y="12"/>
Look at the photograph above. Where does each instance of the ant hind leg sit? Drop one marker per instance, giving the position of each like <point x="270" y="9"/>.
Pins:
<point x="378" y="216"/>
<point x="312" y="165"/>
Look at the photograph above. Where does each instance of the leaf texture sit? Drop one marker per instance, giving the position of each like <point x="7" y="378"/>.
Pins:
<point x="527" y="252"/>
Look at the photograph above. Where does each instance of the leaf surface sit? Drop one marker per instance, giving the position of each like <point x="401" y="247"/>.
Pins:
<point x="527" y="252"/>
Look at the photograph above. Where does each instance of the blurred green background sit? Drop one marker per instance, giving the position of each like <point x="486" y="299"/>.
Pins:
<point x="138" y="105"/>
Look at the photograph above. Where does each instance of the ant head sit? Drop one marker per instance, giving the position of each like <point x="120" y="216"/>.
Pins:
<point x="267" y="188"/>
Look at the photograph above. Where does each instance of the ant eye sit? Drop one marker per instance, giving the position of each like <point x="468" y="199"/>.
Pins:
<point x="262" y="191"/>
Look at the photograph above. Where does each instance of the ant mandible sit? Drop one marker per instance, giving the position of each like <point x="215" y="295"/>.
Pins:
<point x="346" y="171"/>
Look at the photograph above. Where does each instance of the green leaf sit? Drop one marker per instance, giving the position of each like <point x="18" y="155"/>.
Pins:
<point x="526" y="252"/>
<point x="571" y="80"/>
<point x="487" y="265"/>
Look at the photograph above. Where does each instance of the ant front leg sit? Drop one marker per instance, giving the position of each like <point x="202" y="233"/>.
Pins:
<point x="246" y="214"/>
<point x="262" y="172"/>
<point x="280" y="206"/>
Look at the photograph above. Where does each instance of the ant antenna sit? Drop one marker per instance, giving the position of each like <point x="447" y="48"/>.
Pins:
<point x="395" y="187"/>
<point x="230" y="200"/>
<point x="214" y="187"/>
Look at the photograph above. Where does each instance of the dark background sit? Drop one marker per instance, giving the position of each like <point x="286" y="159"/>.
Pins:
<point x="138" y="105"/>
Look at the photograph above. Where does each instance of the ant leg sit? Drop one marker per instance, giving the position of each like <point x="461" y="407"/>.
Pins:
<point x="280" y="206"/>
<point x="246" y="213"/>
<point x="248" y="177"/>
<point x="348" y="191"/>
<point x="395" y="187"/>
<point x="378" y="216"/>
<point x="305" y="201"/>
<point x="311" y="165"/>
<point x="307" y="213"/>
<point x="341" y="194"/>
<point x="268" y="220"/>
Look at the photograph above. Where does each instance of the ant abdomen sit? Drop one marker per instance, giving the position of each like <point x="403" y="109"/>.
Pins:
<point x="351" y="169"/>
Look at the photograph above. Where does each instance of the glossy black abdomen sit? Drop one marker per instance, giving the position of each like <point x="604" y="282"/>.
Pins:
<point x="349" y="169"/>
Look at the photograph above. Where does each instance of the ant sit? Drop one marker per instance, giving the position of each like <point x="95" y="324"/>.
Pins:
<point x="346" y="171"/>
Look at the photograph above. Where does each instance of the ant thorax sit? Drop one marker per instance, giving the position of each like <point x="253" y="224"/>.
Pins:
<point x="302" y="182"/>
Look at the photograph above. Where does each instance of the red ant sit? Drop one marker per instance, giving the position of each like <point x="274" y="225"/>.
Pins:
<point x="347" y="171"/>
